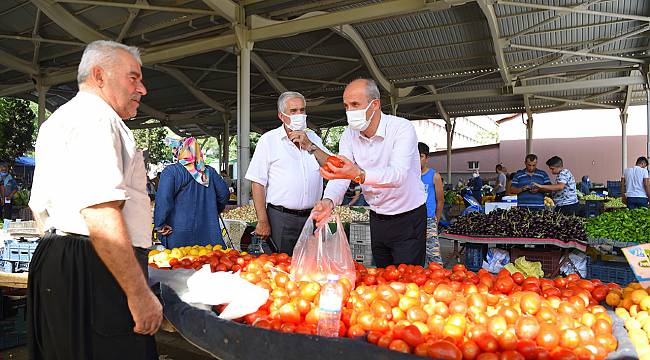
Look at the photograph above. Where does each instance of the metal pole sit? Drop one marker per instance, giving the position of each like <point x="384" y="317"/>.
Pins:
<point x="529" y="135"/>
<point x="225" y="143"/>
<point x="393" y="105"/>
<point x="450" y="135"/>
<point x="623" y="142"/>
<point x="243" y="146"/>
<point x="42" y="91"/>
<point x="647" y="108"/>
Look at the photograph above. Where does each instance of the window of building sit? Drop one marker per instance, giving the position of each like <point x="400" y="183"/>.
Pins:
<point x="473" y="165"/>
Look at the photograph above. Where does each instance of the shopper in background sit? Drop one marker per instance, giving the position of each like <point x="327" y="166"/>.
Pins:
<point x="387" y="165"/>
<point x="8" y="188"/>
<point x="585" y="185"/>
<point x="190" y="197"/>
<point x="88" y="296"/>
<point x="354" y="196"/>
<point x="284" y="174"/>
<point x="636" y="184"/>
<point x="476" y="184"/>
<point x="564" y="191"/>
<point x="523" y="184"/>
<point x="435" y="203"/>
<point x="500" y="188"/>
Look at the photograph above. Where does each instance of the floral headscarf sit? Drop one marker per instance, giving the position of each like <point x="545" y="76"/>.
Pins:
<point x="190" y="156"/>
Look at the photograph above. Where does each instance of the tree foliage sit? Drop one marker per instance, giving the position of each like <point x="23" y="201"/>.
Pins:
<point x="16" y="128"/>
<point x="153" y="141"/>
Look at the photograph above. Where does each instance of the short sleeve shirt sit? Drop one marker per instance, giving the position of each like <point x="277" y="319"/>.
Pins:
<point x="568" y="195"/>
<point x="529" y="198"/>
<point x="634" y="178"/>
<point x="86" y="155"/>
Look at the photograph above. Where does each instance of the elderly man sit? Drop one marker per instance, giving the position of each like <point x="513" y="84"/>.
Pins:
<point x="284" y="174"/>
<point x="88" y="294"/>
<point x="525" y="185"/>
<point x="387" y="165"/>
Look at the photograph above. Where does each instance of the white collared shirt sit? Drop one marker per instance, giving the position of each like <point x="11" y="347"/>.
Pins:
<point x="290" y="175"/>
<point x="85" y="155"/>
<point x="391" y="161"/>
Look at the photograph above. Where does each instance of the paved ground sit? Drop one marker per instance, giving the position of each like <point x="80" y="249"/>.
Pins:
<point x="171" y="346"/>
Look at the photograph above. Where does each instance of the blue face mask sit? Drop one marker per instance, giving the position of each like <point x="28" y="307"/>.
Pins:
<point x="3" y="174"/>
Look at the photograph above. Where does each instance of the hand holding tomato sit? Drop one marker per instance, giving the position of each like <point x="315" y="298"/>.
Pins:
<point x="339" y="167"/>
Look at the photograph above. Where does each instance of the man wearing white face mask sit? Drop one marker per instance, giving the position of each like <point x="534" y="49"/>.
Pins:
<point x="380" y="152"/>
<point x="284" y="174"/>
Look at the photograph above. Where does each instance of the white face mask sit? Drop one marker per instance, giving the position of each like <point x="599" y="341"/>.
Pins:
<point x="357" y="118"/>
<point x="298" y="121"/>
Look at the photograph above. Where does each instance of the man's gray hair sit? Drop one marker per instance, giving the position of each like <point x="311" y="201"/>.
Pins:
<point x="102" y="52"/>
<point x="372" y="90"/>
<point x="282" y="100"/>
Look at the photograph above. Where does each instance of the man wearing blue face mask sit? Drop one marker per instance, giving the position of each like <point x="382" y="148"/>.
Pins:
<point x="284" y="174"/>
<point x="380" y="152"/>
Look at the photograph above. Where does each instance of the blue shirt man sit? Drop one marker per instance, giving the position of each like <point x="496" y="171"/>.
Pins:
<point x="528" y="194"/>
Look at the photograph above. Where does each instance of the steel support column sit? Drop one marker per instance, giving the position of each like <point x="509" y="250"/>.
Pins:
<point x="225" y="142"/>
<point x="623" y="117"/>
<point x="529" y="134"/>
<point x="450" y="126"/>
<point x="42" y="90"/>
<point x="244" y="113"/>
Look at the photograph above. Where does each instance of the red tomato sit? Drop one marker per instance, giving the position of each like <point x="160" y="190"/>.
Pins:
<point x="508" y="340"/>
<point x="487" y="343"/>
<point x="548" y="337"/>
<point x="518" y="278"/>
<point x="373" y="337"/>
<point x="356" y="331"/>
<point x="530" y="303"/>
<point x="527" y="327"/>
<point x="470" y="350"/>
<point x="600" y="293"/>
<point x="511" y="355"/>
<point x="569" y="339"/>
<point x="384" y="341"/>
<point x="334" y="161"/>
<point x="443" y="293"/>
<point x="412" y="335"/>
<point x="504" y="284"/>
<point x="459" y="267"/>
<point x="289" y="313"/>
<point x="527" y="348"/>
<point x="399" y="345"/>
<point x="444" y="350"/>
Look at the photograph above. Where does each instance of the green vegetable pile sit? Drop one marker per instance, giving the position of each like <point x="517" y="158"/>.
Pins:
<point x="450" y="197"/>
<point x="621" y="225"/>
<point x="614" y="203"/>
<point x="21" y="198"/>
<point x="593" y="197"/>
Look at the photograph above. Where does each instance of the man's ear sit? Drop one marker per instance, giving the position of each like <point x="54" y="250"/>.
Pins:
<point x="97" y="74"/>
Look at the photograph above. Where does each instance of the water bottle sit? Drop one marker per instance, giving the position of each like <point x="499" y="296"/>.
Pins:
<point x="329" y="314"/>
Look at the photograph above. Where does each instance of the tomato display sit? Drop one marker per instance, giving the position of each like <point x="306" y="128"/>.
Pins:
<point x="441" y="313"/>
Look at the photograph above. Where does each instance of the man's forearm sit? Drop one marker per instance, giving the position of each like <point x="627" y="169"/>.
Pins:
<point x="439" y="207"/>
<point x="259" y="201"/>
<point x="321" y="156"/>
<point x="110" y="239"/>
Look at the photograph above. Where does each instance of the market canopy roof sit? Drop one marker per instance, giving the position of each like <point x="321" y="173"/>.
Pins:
<point x="437" y="58"/>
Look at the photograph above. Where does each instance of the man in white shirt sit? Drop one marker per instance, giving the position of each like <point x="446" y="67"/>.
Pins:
<point x="284" y="173"/>
<point x="88" y="293"/>
<point x="635" y="184"/>
<point x="380" y="152"/>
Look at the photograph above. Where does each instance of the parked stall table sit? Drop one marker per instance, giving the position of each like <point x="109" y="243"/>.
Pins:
<point x="566" y="246"/>
<point x="13" y="280"/>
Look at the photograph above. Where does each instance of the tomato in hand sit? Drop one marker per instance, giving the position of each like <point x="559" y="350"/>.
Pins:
<point x="334" y="161"/>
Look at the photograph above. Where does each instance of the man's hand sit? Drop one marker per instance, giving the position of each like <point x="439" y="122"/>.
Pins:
<point x="349" y="170"/>
<point x="263" y="230"/>
<point x="322" y="211"/>
<point x="300" y="137"/>
<point x="147" y="313"/>
<point x="165" y="230"/>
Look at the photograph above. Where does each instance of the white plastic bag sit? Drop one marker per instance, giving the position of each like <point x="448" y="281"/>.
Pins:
<point x="318" y="254"/>
<point x="495" y="260"/>
<point x="579" y="260"/>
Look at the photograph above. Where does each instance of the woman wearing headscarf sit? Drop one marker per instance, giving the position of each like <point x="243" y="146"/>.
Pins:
<point x="189" y="199"/>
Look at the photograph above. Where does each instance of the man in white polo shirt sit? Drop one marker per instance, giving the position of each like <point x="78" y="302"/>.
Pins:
<point x="635" y="184"/>
<point x="380" y="152"/>
<point x="88" y="296"/>
<point x="284" y="174"/>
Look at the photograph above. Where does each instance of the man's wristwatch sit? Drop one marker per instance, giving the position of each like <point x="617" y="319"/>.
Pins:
<point x="361" y="178"/>
<point x="311" y="149"/>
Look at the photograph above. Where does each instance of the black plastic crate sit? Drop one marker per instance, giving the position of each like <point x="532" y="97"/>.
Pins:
<point x="474" y="256"/>
<point x="614" y="188"/>
<point x="13" y="331"/>
<point x="610" y="272"/>
<point x="594" y="208"/>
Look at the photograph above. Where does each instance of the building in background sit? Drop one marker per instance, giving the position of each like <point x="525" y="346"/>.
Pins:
<point x="589" y="142"/>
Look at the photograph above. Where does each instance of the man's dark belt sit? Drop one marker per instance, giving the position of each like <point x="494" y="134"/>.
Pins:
<point x="301" y="213"/>
<point x="396" y="216"/>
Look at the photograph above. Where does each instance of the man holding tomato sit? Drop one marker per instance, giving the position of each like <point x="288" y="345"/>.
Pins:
<point x="284" y="174"/>
<point x="380" y="152"/>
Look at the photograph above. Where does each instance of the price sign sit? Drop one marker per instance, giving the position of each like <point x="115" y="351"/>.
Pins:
<point x="638" y="258"/>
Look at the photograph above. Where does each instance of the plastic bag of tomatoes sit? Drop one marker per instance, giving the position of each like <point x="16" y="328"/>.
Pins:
<point x="320" y="253"/>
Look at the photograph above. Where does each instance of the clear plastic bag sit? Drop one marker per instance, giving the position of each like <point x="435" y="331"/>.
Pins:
<point x="320" y="253"/>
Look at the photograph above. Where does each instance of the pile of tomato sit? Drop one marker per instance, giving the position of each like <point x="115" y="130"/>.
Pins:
<point x="440" y="313"/>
